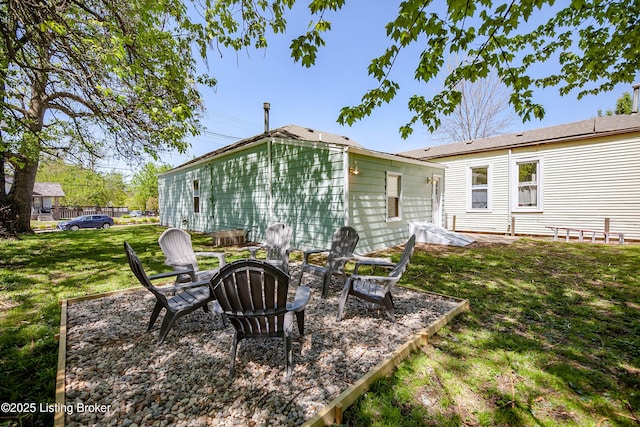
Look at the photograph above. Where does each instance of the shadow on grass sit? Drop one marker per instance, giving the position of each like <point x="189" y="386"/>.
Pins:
<point x="36" y="272"/>
<point x="552" y="338"/>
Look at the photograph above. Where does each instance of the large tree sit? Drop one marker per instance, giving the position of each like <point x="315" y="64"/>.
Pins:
<point x="92" y="78"/>
<point x="582" y="47"/>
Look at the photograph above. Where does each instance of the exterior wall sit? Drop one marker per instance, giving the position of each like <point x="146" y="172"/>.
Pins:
<point x="583" y="183"/>
<point x="303" y="186"/>
<point x="456" y="196"/>
<point x="233" y="193"/>
<point x="306" y="192"/>
<point x="368" y="202"/>
<point x="239" y="192"/>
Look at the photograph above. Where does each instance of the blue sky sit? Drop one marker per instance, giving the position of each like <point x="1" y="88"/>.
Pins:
<point x="313" y="97"/>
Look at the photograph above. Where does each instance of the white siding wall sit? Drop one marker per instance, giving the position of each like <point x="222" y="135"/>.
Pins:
<point x="583" y="183"/>
<point x="456" y="193"/>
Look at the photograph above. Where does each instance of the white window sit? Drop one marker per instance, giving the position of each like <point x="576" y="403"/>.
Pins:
<point x="394" y="196"/>
<point x="527" y="185"/>
<point x="196" y="196"/>
<point x="479" y="195"/>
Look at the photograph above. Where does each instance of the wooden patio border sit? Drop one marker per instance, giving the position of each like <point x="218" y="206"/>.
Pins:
<point x="331" y="413"/>
<point x="58" y="417"/>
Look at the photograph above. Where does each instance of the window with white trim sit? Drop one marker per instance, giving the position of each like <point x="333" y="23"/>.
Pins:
<point x="394" y="196"/>
<point x="196" y="196"/>
<point x="528" y="185"/>
<point x="479" y="187"/>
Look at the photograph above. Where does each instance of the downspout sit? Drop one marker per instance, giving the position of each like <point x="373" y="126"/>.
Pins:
<point x="270" y="179"/>
<point x="509" y="179"/>
<point x="345" y="174"/>
<point x="266" y="106"/>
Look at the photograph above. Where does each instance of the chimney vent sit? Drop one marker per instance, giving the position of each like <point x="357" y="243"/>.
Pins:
<point x="636" y="95"/>
<point x="266" y="106"/>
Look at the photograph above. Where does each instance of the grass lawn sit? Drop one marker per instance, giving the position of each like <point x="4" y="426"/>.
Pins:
<point x="38" y="271"/>
<point x="552" y="338"/>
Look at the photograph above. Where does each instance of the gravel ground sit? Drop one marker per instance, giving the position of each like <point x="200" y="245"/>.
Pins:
<point x="113" y="361"/>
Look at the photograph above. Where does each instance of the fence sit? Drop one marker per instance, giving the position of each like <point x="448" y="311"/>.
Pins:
<point x="66" y="212"/>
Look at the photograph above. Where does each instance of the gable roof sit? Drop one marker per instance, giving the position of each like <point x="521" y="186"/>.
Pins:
<point x="295" y="132"/>
<point x="585" y="129"/>
<point x="303" y="134"/>
<point x="48" y="189"/>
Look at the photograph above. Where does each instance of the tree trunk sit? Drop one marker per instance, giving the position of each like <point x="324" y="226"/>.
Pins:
<point x="21" y="194"/>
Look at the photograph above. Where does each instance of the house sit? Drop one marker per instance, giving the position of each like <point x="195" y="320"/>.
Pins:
<point x="579" y="175"/>
<point x="313" y="181"/>
<point x="45" y="199"/>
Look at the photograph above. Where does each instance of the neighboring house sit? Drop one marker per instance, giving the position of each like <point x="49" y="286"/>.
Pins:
<point x="46" y="198"/>
<point x="572" y="175"/>
<point x="313" y="181"/>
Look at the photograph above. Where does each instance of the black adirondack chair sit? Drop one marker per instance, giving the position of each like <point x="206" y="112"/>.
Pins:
<point x="252" y="295"/>
<point x="377" y="289"/>
<point x="178" y="300"/>
<point x="343" y="243"/>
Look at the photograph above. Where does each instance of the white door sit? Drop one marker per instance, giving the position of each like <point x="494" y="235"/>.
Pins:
<point x="436" y="200"/>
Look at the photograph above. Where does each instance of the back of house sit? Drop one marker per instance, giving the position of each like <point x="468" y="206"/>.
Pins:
<point x="313" y="181"/>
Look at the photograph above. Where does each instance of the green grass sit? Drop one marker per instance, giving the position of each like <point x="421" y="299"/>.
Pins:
<point x="552" y="337"/>
<point x="36" y="272"/>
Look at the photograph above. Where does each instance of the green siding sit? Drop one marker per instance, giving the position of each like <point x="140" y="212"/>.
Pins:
<point x="175" y="198"/>
<point x="308" y="192"/>
<point x="367" y="201"/>
<point x="240" y="191"/>
<point x="233" y="193"/>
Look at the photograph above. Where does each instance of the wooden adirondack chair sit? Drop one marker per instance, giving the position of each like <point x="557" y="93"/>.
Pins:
<point x="277" y="245"/>
<point x="252" y="295"/>
<point x="377" y="289"/>
<point x="343" y="243"/>
<point x="179" y="254"/>
<point x="177" y="300"/>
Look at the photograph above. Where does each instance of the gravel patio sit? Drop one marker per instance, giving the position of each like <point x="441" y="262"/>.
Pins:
<point x="111" y="360"/>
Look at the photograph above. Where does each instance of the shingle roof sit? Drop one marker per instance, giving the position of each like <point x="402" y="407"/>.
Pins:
<point x="289" y="132"/>
<point x="585" y="129"/>
<point x="308" y="134"/>
<point x="48" y="189"/>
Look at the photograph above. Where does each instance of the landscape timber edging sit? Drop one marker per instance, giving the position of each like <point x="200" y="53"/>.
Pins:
<point x="330" y="414"/>
<point x="58" y="417"/>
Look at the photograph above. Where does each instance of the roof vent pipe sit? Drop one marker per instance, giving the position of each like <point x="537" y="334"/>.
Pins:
<point x="266" y="106"/>
<point x="636" y="95"/>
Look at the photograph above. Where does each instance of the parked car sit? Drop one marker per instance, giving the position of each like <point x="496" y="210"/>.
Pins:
<point x="135" y="214"/>
<point x="149" y="213"/>
<point x="86" y="221"/>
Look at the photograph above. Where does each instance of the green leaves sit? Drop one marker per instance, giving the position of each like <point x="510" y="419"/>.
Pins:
<point x="588" y="46"/>
<point x="304" y="49"/>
